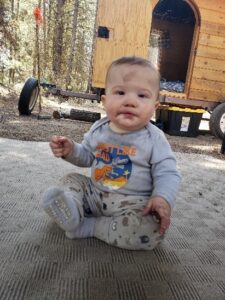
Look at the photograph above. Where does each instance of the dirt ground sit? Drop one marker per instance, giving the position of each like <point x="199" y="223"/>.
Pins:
<point x="30" y="128"/>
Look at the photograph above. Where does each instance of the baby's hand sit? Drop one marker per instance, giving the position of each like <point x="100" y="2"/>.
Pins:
<point x="162" y="208"/>
<point x="61" y="146"/>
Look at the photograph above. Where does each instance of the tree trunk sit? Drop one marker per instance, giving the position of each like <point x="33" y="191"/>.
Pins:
<point x="58" y="40"/>
<point x="48" y="39"/>
<point x="92" y="54"/>
<point x="73" y="44"/>
<point x="44" y="37"/>
<point x="75" y="114"/>
<point x="12" y="7"/>
<point x="17" y="9"/>
<point x="12" y="50"/>
<point x="36" y="56"/>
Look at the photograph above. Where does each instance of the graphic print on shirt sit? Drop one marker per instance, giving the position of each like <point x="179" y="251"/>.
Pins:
<point x="113" y="165"/>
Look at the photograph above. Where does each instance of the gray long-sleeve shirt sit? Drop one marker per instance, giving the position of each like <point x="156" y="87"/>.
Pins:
<point x="135" y="163"/>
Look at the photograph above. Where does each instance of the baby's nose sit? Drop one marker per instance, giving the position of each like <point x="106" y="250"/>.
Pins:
<point x="130" y="100"/>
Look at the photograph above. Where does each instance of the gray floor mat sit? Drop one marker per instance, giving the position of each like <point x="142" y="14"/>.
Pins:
<point x="38" y="262"/>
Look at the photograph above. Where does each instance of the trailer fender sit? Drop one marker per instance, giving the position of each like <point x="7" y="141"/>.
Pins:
<point x="28" y="96"/>
<point x="217" y="121"/>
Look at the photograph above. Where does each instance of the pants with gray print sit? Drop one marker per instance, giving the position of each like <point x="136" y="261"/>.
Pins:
<point x="119" y="219"/>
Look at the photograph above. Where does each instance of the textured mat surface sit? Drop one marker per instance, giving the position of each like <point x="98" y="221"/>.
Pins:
<point x="38" y="262"/>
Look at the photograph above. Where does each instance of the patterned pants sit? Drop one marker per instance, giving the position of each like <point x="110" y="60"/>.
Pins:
<point x="119" y="220"/>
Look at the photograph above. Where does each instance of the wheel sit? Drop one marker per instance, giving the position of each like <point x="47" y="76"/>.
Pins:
<point x="217" y="121"/>
<point x="28" y="96"/>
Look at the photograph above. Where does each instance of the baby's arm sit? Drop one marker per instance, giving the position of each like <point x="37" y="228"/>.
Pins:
<point x="71" y="151"/>
<point x="162" y="208"/>
<point x="165" y="176"/>
<point x="166" y="181"/>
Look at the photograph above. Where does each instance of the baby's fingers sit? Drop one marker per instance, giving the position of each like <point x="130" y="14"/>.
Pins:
<point x="55" y="139"/>
<point x="58" y="152"/>
<point x="165" y="220"/>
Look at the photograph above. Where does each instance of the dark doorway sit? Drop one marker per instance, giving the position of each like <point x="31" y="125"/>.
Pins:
<point x="173" y="25"/>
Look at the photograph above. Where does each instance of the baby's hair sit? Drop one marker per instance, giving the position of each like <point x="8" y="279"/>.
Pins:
<point x="133" y="60"/>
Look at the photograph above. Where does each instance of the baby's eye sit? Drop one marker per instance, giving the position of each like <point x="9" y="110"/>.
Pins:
<point x="120" y="93"/>
<point x="143" y="96"/>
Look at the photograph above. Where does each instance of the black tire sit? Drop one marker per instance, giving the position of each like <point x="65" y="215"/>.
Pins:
<point x="217" y="121"/>
<point x="28" y="96"/>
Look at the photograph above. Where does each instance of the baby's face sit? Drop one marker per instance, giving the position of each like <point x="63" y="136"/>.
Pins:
<point x="131" y="97"/>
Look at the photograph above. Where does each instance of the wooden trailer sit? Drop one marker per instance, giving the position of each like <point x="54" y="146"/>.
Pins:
<point x="184" y="38"/>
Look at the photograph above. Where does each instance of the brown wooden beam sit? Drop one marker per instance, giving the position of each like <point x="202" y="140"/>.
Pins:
<point x="207" y="105"/>
<point x="64" y="93"/>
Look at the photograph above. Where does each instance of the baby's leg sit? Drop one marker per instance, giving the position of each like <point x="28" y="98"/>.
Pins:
<point x="128" y="229"/>
<point x="67" y="204"/>
<point x="62" y="207"/>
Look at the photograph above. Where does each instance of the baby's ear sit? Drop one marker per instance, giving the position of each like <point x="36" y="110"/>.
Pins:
<point x="103" y="99"/>
<point x="157" y="104"/>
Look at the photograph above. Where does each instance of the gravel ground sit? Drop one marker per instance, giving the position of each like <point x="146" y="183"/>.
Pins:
<point x="30" y="128"/>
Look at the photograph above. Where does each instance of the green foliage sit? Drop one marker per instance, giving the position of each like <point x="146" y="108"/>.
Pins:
<point x="84" y="43"/>
<point x="21" y="43"/>
<point x="7" y="38"/>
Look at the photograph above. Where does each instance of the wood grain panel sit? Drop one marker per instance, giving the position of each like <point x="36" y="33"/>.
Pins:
<point x="212" y="28"/>
<point x="154" y="3"/>
<point x="210" y="63"/>
<point x="129" y="19"/>
<point x="173" y="94"/>
<point x="209" y="75"/>
<point x="212" y="40"/>
<point x="129" y="23"/>
<point x="109" y="52"/>
<point x="215" y="5"/>
<point x="213" y="16"/>
<point x="210" y="52"/>
<point x="207" y="85"/>
<point x="215" y="96"/>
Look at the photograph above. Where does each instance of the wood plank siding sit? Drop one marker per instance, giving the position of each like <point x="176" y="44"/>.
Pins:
<point x="208" y="78"/>
<point x="197" y="54"/>
<point x="128" y="22"/>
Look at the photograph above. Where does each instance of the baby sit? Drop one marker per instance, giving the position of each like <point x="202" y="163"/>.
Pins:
<point x="127" y="202"/>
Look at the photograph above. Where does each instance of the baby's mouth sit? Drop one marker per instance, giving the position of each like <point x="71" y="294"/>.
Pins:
<point x="127" y="114"/>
